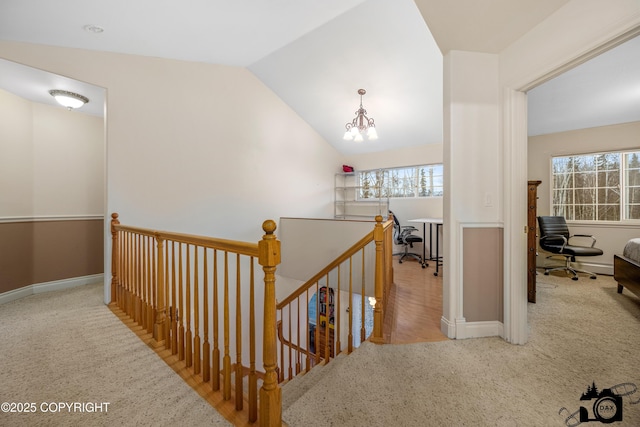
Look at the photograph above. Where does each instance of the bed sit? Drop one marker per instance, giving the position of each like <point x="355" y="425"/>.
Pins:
<point x="626" y="267"/>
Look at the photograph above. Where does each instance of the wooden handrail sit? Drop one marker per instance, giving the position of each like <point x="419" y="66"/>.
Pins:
<point x="289" y="343"/>
<point x="160" y="290"/>
<point x="368" y="238"/>
<point x="319" y="338"/>
<point x="242" y="248"/>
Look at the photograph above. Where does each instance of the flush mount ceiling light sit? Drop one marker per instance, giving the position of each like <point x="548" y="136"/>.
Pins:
<point x="68" y="99"/>
<point x="90" y="28"/>
<point x="361" y="124"/>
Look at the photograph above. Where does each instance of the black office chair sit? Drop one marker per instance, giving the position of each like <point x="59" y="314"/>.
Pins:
<point x="402" y="236"/>
<point x="554" y="238"/>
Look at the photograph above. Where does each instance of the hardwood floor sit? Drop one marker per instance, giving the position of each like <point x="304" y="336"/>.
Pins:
<point x="415" y="305"/>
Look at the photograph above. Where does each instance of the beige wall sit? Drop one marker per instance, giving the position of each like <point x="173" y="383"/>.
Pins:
<point x="16" y="155"/>
<point x="611" y="238"/>
<point x="52" y="160"/>
<point x="483" y="293"/>
<point x="51" y="167"/>
<point x="47" y="251"/>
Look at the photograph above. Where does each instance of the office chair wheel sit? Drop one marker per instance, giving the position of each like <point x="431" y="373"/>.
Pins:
<point x="546" y="272"/>
<point x="435" y="274"/>
<point x="424" y="266"/>
<point x="593" y="277"/>
<point x="574" y="278"/>
<point x="400" y="262"/>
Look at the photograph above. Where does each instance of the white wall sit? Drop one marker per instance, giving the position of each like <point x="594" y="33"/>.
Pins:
<point x="575" y="32"/>
<point x="473" y="174"/>
<point x="303" y="257"/>
<point x="197" y="148"/>
<point x="51" y="162"/>
<point x="405" y="209"/>
<point x="611" y="238"/>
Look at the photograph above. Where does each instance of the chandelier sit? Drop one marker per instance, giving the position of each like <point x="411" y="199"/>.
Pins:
<point x="361" y="124"/>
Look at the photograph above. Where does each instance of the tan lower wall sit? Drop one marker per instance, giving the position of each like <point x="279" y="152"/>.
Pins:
<point x="483" y="275"/>
<point x="43" y="251"/>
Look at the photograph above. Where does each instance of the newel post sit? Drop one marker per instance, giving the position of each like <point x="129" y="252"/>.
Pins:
<point x="378" y="237"/>
<point x="158" y="325"/>
<point x="114" y="256"/>
<point x="270" y="393"/>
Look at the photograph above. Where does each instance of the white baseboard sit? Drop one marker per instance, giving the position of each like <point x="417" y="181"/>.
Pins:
<point x="56" y="285"/>
<point x="466" y="330"/>
<point x="448" y="328"/>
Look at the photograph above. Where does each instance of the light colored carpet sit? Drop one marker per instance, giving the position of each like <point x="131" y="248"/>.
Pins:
<point x="67" y="346"/>
<point x="581" y="332"/>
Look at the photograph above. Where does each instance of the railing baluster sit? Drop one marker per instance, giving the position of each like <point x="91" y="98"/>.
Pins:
<point x="139" y="302"/>
<point x="253" y="377"/>
<point x="158" y="294"/>
<point x="363" y="332"/>
<point x="350" y="345"/>
<point x="149" y="306"/>
<point x="316" y="337"/>
<point x="239" y="391"/>
<point x="298" y="355"/>
<point x="196" y="314"/>
<point x="132" y="298"/>
<point x="289" y="328"/>
<point x="168" y="303"/>
<point x="206" y="350"/>
<point x="226" y="360"/>
<point x="307" y="334"/>
<point x="327" y="318"/>
<point x="338" y="349"/>
<point x="174" y="317"/>
<point x="181" y="310"/>
<point x="188" y="337"/>
<point x="281" y="369"/>
<point x="215" y="354"/>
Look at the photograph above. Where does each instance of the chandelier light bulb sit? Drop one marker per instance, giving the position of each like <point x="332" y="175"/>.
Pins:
<point x="372" y="133"/>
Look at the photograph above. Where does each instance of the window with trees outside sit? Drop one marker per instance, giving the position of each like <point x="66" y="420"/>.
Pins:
<point x="412" y="181"/>
<point x="597" y="187"/>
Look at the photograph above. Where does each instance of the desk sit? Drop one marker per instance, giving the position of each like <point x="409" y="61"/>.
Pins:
<point x="438" y="224"/>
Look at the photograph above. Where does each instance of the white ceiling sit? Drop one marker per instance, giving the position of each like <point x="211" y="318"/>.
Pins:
<point x="603" y="91"/>
<point x="314" y="55"/>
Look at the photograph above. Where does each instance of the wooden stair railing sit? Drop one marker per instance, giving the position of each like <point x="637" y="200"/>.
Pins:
<point x="305" y="341"/>
<point x="162" y="281"/>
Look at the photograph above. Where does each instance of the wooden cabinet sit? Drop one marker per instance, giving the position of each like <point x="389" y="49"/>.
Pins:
<point x="532" y="238"/>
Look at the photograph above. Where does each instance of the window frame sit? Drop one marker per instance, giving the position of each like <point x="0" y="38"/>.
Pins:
<point x="623" y="187"/>
<point x="437" y="191"/>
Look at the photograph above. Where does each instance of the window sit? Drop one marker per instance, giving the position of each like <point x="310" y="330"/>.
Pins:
<point x="597" y="187"/>
<point x="413" y="181"/>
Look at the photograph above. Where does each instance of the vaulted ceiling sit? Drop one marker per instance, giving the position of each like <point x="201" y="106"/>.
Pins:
<point x="314" y="55"/>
